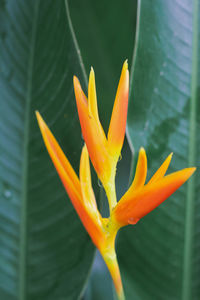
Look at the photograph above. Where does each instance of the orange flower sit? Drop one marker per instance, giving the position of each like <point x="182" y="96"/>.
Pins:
<point x="140" y="199"/>
<point x="104" y="151"/>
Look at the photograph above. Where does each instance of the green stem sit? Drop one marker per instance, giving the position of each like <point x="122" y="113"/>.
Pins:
<point x="108" y="251"/>
<point x="109" y="255"/>
<point x="113" y="268"/>
<point x="111" y="193"/>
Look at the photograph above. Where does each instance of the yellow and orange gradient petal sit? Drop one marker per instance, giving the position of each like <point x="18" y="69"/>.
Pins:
<point x="80" y="192"/>
<point x="141" y="199"/>
<point x="117" y="127"/>
<point x="93" y="134"/>
<point x="104" y="152"/>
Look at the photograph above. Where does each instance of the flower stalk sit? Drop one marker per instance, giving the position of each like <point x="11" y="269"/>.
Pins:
<point x="111" y="193"/>
<point x="104" y="151"/>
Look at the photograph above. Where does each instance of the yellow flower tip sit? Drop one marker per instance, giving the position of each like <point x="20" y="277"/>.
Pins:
<point x="92" y="77"/>
<point x="162" y="170"/>
<point x="189" y="172"/>
<point x="38" y="116"/>
<point x="125" y="65"/>
<point x="92" y="97"/>
<point x="40" y="120"/>
<point x="142" y="151"/>
<point x="125" y="73"/>
<point x="84" y="150"/>
<point x="75" y="79"/>
<point x="170" y="157"/>
<point x="91" y="71"/>
<point x="77" y="85"/>
<point x="81" y="99"/>
<point x="84" y="163"/>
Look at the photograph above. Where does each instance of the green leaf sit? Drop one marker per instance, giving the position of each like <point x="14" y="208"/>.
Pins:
<point x="44" y="251"/>
<point x="160" y="256"/>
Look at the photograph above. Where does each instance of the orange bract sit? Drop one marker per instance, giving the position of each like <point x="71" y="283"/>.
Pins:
<point x="117" y="126"/>
<point x="80" y="192"/>
<point x="141" y="199"/>
<point x="104" y="152"/>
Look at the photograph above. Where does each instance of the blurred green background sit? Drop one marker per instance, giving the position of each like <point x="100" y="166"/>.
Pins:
<point x="45" y="252"/>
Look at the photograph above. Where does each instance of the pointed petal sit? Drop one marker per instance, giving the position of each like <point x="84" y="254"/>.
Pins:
<point x="92" y="133"/>
<point x="86" y="187"/>
<point x="92" y="96"/>
<point x="141" y="172"/>
<point x="117" y="126"/>
<point x="56" y="153"/>
<point x="70" y="182"/>
<point x="92" y="103"/>
<point x="162" y="170"/>
<point x="133" y="207"/>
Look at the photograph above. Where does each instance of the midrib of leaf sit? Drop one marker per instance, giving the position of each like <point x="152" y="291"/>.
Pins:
<point x="133" y="63"/>
<point x="24" y="204"/>
<point x="190" y="197"/>
<point x="75" y="41"/>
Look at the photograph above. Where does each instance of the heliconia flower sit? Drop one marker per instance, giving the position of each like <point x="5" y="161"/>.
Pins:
<point x="140" y="199"/>
<point x="104" y="151"/>
<point x="82" y="197"/>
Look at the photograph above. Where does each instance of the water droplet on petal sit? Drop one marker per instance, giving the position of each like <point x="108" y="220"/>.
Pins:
<point x="133" y="221"/>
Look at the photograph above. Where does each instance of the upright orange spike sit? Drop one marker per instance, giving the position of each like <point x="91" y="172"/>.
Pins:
<point x="162" y="170"/>
<point x="141" y="171"/>
<point x="92" y="133"/>
<point x="92" y="96"/>
<point x="117" y="126"/>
